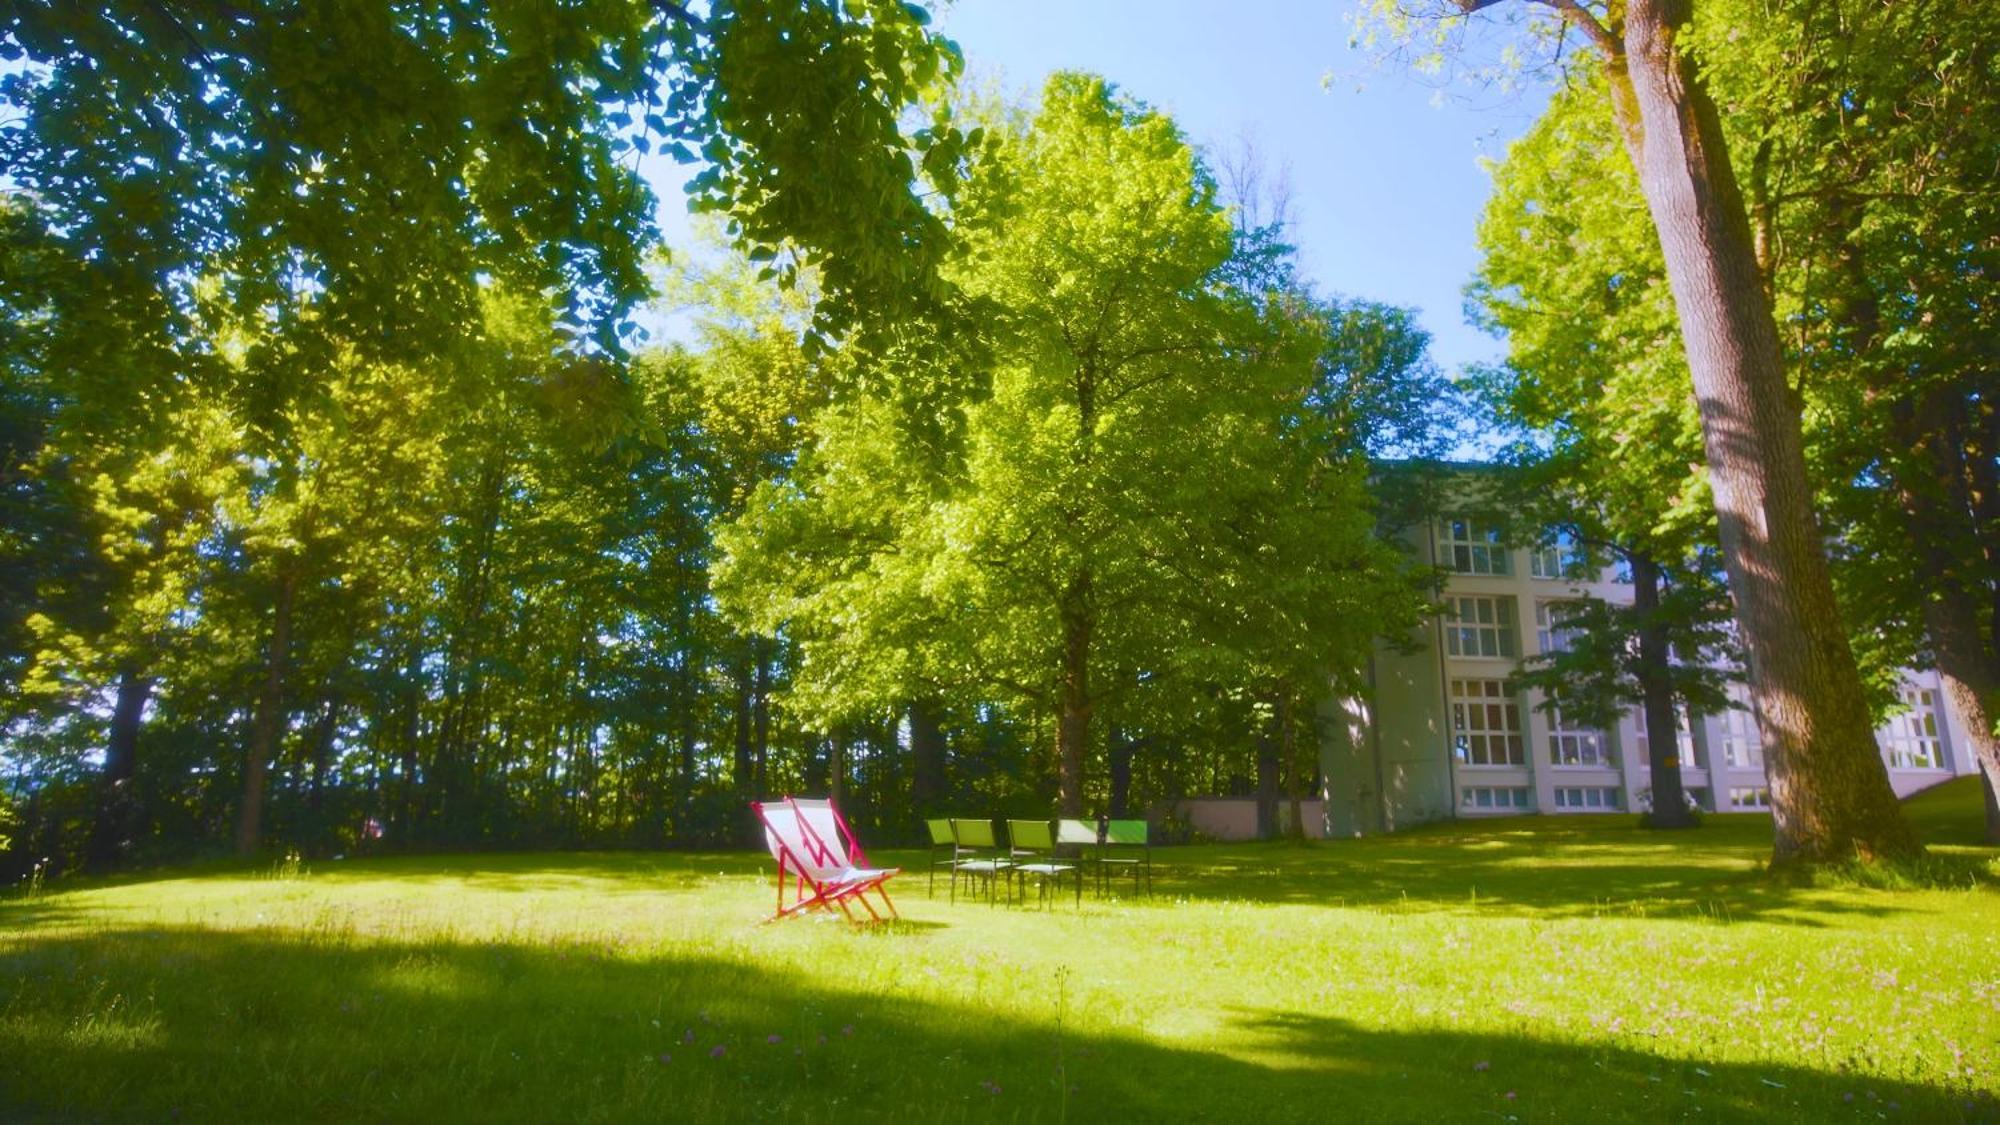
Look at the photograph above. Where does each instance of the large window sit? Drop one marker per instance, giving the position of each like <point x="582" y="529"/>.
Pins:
<point x="1594" y="798"/>
<point x="1560" y="556"/>
<point x="1480" y="627"/>
<point x="1690" y="754"/>
<point x="1486" y="724"/>
<point x="1493" y="798"/>
<point x="1473" y="547"/>
<point x="1742" y="743"/>
<point x="1750" y="797"/>
<point x="1552" y="633"/>
<point x="1911" y="738"/>
<point x="1572" y="744"/>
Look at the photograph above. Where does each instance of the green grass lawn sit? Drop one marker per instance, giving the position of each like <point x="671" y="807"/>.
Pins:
<point x="1528" y="969"/>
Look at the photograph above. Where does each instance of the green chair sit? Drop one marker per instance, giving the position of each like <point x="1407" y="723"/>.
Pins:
<point x="976" y="854"/>
<point x="941" y="842"/>
<point x="1031" y="846"/>
<point x="1126" y="835"/>
<point x="1082" y="835"/>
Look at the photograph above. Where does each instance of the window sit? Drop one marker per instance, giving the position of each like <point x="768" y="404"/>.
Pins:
<point x="1552" y="634"/>
<point x="1486" y="724"/>
<point x="1559" y="556"/>
<point x="1571" y="744"/>
<point x="1592" y="798"/>
<point x="1690" y="754"/>
<point x="1480" y="627"/>
<point x="1493" y="798"/>
<point x="1472" y="547"/>
<point x="1742" y="743"/>
<point x="1749" y="797"/>
<point x="1911" y="738"/>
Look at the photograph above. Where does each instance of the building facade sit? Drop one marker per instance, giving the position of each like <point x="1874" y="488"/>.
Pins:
<point x="1441" y="733"/>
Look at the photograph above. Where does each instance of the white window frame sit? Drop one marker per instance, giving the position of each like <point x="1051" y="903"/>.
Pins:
<point x="1559" y="558"/>
<point x="1470" y="546"/>
<point x="1481" y="626"/>
<point x="1742" y="741"/>
<point x="1911" y="740"/>
<point x="1751" y="798"/>
<point x="1589" y="798"/>
<point x="1551" y="635"/>
<point x="1494" y="798"/>
<point x="1577" y="747"/>
<point x="1498" y="715"/>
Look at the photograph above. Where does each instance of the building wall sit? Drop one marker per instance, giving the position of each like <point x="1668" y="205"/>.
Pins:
<point x="1394" y="759"/>
<point x="1235" y="818"/>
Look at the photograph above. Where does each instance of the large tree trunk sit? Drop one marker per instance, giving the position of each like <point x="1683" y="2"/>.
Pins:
<point x="117" y="818"/>
<point x="1829" y="789"/>
<point x="1663" y="744"/>
<point x="270" y="715"/>
<point x="927" y="757"/>
<point x="1938" y="512"/>
<point x="1074" y="703"/>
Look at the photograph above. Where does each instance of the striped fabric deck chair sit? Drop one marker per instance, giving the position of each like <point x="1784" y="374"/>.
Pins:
<point x="815" y="870"/>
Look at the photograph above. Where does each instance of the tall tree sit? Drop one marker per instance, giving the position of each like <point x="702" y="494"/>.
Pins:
<point x="1829" y="789"/>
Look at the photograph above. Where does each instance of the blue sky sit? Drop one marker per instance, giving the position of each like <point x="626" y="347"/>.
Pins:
<point x="1385" y="179"/>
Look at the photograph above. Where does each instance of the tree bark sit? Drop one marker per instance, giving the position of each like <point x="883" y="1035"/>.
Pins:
<point x="927" y="757"/>
<point x="1073" y="717"/>
<point x="761" y="714"/>
<point x="1288" y="741"/>
<point x="270" y="714"/>
<point x="117" y="816"/>
<point x="322" y="756"/>
<point x="1268" y="762"/>
<point x="1663" y="749"/>
<point x="1120" y="756"/>
<point x="745" y="775"/>
<point x="1830" y="791"/>
<point x="1939" y="516"/>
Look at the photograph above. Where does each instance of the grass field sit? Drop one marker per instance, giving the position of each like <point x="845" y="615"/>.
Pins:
<point x="1533" y="969"/>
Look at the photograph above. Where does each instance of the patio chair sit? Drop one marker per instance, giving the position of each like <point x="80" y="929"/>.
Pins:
<point x="941" y="842"/>
<point x="829" y="828"/>
<point x="1082" y="835"/>
<point x="976" y="854"/>
<point x="1128" y="834"/>
<point x="819" y="878"/>
<point x="1031" y="846"/>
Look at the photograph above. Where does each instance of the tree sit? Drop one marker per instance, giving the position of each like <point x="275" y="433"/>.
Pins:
<point x="1134" y="490"/>
<point x="1829" y="790"/>
<point x="329" y="181"/>
<point x="1864" y="126"/>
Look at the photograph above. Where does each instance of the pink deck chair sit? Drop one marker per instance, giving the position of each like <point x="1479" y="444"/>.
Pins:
<point x="816" y="861"/>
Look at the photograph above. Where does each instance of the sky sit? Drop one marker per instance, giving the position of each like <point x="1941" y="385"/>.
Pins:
<point x="1386" y="185"/>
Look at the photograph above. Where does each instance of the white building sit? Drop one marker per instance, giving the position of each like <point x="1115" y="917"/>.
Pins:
<point x="1441" y="734"/>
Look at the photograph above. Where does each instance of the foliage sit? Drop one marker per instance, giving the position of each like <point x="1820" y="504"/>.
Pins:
<point x="1571" y="273"/>
<point x="1596" y="677"/>
<point x="1149" y="498"/>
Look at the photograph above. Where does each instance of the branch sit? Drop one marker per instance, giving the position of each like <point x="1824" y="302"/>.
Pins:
<point x="1579" y="17"/>
<point x="679" y="12"/>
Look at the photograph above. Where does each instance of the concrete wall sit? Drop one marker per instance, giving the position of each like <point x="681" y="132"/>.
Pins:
<point x="1235" y="818"/>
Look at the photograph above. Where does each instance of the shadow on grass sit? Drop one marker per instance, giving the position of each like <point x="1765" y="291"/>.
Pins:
<point x="1557" y="867"/>
<point x="210" y="1025"/>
